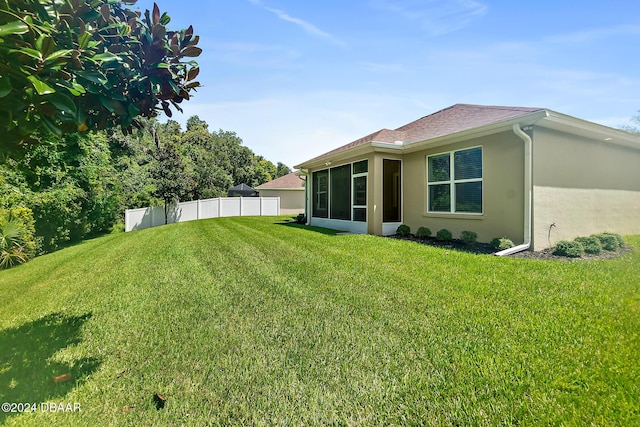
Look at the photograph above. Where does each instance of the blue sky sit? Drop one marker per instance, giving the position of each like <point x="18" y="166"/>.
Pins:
<point x="297" y="78"/>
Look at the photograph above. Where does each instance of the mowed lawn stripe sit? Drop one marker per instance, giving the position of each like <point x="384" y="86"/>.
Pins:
<point x="247" y="321"/>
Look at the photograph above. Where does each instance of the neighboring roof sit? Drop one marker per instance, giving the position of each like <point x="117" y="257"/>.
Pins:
<point x="454" y="119"/>
<point x="290" y="181"/>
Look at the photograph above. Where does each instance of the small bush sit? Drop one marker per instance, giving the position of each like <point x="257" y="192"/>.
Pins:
<point x="444" y="235"/>
<point x="17" y="241"/>
<point x="469" y="237"/>
<point x="618" y="238"/>
<point x="118" y="227"/>
<point x="11" y="245"/>
<point x="423" y="233"/>
<point x="569" y="249"/>
<point x="609" y="241"/>
<point x="591" y="244"/>
<point x="501" y="243"/>
<point x="403" y="230"/>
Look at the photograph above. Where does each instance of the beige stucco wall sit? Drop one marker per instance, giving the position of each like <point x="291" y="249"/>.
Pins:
<point x="583" y="186"/>
<point x="503" y="183"/>
<point x="291" y="201"/>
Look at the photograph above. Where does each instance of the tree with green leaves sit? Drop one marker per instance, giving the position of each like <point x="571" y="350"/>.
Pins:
<point x="201" y="153"/>
<point x="263" y="171"/>
<point x="170" y="176"/>
<point x="69" y="183"/>
<point x="235" y="158"/>
<point x="78" y="65"/>
<point x="194" y="122"/>
<point x="78" y="185"/>
<point x="282" y="170"/>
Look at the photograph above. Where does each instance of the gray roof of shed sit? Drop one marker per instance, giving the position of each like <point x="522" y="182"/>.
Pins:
<point x="242" y="187"/>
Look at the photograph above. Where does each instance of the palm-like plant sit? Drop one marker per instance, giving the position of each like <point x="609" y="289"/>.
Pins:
<point x="11" y="245"/>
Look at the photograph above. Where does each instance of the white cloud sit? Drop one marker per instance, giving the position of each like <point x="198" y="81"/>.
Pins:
<point x="436" y="16"/>
<point x="305" y="25"/>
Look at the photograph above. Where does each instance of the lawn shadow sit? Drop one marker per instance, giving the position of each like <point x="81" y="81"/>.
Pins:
<point x="321" y="230"/>
<point x="28" y="372"/>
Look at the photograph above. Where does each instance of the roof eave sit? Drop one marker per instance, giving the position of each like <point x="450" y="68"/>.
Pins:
<point x="562" y="122"/>
<point x="327" y="159"/>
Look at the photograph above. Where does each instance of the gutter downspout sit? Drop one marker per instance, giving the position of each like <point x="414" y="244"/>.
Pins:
<point x="528" y="193"/>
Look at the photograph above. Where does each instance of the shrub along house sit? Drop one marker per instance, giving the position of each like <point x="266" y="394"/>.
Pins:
<point x="532" y="175"/>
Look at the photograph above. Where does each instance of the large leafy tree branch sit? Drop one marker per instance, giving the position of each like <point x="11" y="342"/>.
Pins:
<point x="169" y="173"/>
<point x="78" y="65"/>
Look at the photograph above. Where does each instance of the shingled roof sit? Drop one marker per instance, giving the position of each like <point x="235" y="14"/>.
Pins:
<point x="451" y="120"/>
<point x="288" y="181"/>
<point x="458" y="118"/>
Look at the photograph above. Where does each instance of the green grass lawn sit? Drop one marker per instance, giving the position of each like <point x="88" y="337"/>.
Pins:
<point x="244" y="321"/>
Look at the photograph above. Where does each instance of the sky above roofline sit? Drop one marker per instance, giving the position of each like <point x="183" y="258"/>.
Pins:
<point x="297" y="79"/>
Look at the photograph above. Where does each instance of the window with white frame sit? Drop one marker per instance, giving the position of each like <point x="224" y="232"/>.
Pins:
<point x="359" y="179"/>
<point x="454" y="181"/>
<point x="320" y="194"/>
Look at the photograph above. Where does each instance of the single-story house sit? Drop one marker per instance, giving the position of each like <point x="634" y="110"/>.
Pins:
<point x="532" y="175"/>
<point x="242" y="190"/>
<point x="290" y="189"/>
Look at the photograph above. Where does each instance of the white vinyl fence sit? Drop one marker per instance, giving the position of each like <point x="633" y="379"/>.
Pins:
<point x="137" y="219"/>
